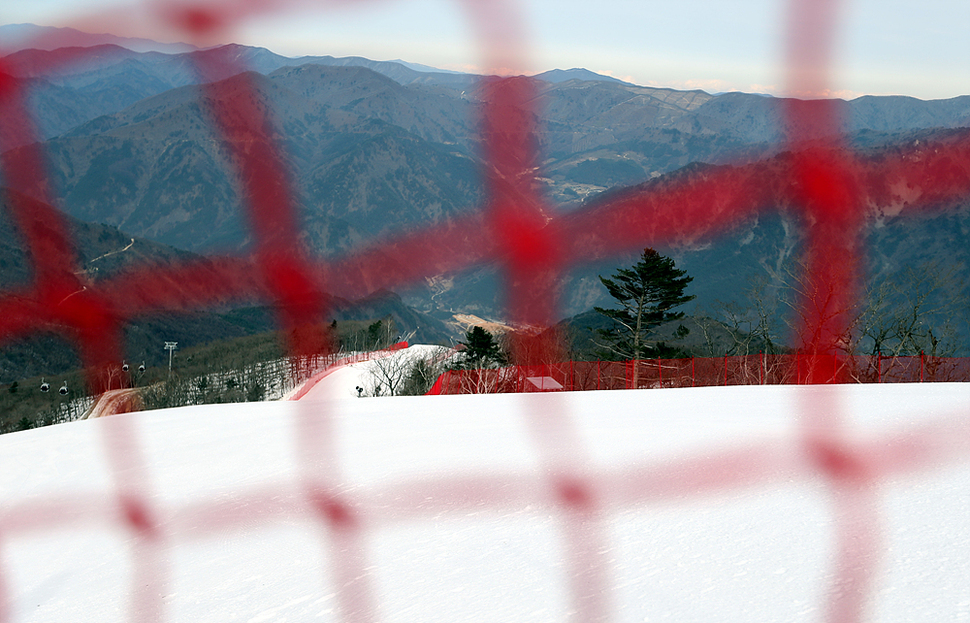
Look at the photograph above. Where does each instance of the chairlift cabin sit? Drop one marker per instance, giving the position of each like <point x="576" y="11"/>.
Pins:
<point x="44" y="386"/>
<point x="63" y="390"/>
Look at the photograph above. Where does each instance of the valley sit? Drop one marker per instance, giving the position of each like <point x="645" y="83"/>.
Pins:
<point x="377" y="151"/>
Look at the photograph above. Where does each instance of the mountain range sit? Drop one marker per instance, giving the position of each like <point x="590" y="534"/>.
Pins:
<point x="104" y="253"/>
<point x="376" y="148"/>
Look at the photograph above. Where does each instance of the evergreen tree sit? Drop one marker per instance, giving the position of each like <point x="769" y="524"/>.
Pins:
<point x="374" y="335"/>
<point x="481" y="350"/>
<point x="646" y="294"/>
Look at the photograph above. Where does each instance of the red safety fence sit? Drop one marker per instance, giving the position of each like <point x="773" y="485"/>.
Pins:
<point x="760" y="369"/>
<point x="822" y="178"/>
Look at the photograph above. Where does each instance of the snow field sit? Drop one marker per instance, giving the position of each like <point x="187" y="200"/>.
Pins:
<point x="710" y="507"/>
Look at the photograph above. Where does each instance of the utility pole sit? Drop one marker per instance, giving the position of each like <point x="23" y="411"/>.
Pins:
<point x="170" y="347"/>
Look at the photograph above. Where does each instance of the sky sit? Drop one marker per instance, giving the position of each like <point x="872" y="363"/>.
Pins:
<point x="880" y="47"/>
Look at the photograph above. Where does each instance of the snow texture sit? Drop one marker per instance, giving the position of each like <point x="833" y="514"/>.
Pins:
<point x="761" y="551"/>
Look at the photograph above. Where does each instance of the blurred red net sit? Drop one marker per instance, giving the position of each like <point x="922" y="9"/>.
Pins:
<point x="515" y="228"/>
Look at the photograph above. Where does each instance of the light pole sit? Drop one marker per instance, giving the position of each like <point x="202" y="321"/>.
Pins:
<point x="170" y="347"/>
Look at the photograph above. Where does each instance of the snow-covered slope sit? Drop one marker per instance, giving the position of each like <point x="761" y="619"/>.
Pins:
<point x="704" y="507"/>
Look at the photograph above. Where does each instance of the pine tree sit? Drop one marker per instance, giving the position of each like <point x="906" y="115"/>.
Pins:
<point x="481" y="350"/>
<point x="646" y="294"/>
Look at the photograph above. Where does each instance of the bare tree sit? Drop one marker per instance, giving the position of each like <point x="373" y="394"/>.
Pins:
<point x="745" y="330"/>
<point x="387" y="374"/>
<point x="913" y="311"/>
<point x="406" y="372"/>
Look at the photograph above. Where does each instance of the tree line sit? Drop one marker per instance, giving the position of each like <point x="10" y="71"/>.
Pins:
<point x="913" y="311"/>
<point x="245" y="369"/>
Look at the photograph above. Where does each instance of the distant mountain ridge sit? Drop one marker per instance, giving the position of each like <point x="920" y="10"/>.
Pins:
<point x="14" y="37"/>
<point x="371" y="155"/>
<point x="556" y="76"/>
<point x="377" y="149"/>
<point x="20" y="37"/>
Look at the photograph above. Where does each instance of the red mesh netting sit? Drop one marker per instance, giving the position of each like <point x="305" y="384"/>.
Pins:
<point x="514" y="228"/>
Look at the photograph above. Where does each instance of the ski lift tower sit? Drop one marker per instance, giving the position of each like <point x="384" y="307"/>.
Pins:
<point x="170" y="347"/>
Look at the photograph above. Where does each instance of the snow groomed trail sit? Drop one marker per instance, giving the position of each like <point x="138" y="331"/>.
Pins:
<point x="341" y="380"/>
<point x="117" y="401"/>
<point x="707" y="507"/>
<point x="359" y="361"/>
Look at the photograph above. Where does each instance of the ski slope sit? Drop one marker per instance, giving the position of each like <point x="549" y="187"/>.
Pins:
<point x="707" y="508"/>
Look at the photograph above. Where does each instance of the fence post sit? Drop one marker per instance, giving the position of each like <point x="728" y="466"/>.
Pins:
<point x="693" y="376"/>
<point x="725" y="370"/>
<point x="879" y="366"/>
<point x="660" y="371"/>
<point x="920" y="366"/>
